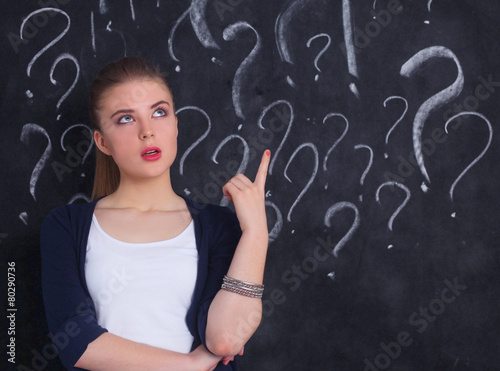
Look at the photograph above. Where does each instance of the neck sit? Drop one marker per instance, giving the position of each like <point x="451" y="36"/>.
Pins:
<point x="146" y="194"/>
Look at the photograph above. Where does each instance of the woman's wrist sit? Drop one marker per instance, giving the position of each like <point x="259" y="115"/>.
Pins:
<point x="190" y="361"/>
<point x="257" y="234"/>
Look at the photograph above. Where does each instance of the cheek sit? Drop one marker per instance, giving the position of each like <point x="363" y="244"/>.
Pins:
<point x="120" y="144"/>
<point x="171" y="133"/>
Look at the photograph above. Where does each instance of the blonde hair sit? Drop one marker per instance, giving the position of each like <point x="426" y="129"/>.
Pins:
<point x="107" y="174"/>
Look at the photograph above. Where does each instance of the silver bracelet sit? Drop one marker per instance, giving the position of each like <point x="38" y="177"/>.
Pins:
<point x="252" y="290"/>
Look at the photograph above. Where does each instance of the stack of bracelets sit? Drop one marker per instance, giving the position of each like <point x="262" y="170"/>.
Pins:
<point x="252" y="290"/>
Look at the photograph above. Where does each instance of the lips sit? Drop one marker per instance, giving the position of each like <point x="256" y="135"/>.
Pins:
<point x="151" y="153"/>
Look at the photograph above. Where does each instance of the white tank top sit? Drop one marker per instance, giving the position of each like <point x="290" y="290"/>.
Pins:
<point x="142" y="291"/>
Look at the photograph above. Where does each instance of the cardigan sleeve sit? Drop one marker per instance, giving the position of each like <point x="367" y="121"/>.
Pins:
<point x="70" y="313"/>
<point x="226" y="234"/>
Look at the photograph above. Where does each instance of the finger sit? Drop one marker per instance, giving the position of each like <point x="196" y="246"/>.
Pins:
<point x="241" y="181"/>
<point x="235" y="185"/>
<point x="227" y="189"/>
<point x="260" y="178"/>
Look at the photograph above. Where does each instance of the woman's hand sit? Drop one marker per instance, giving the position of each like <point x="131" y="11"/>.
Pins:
<point x="249" y="198"/>
<point x="203" y="360"/>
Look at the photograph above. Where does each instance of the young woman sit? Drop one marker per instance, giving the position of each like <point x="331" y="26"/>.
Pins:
<point x="141" y="278"/>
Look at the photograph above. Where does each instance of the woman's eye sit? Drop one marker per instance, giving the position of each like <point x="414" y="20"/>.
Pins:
<point x="125" y="119"/>
<point x="159" y="112"/>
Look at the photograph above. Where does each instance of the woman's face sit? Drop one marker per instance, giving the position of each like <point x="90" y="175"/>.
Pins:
<point x="138" y="128"/>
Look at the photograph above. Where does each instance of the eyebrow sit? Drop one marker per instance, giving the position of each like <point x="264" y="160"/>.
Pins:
<point x="131" y="110"/>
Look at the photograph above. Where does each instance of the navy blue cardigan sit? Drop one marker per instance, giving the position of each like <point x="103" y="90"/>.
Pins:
<point x="70" y="312"/>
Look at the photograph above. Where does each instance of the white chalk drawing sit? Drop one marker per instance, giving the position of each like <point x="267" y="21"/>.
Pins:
<point x="79" y="196"/>
<point x="278" y="225"/>
<point x="403" y="204"/>
<point x="311" y="178"/>
<point x="77" y="75"/>
<point x="200" y="25"/>
<point x="346" y="129"/>
<point x="103" y="9"/>
<point x="334" y="209"/>
<point x="241" y="73"/>
<point x="172" y="35"/>
<point x="90" y="141"/>
<point x="199" y="140"/>
<point x="436" y="101"/>
<point x="398" y="120"/>
<point x="368" y="167"/>
<point x="27" y="131"/>
<point x="282" y="34"/>
<point x="321" y="52"/>
<point x="289" y="128"/>
<point x="349" y="44"/>
<point x="50" y="44"/>
<point x="132" y="10"/>
<point x="475" y="161"/>
<point x="244" y="161"/>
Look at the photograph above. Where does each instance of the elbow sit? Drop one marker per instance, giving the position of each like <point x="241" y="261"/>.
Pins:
<point x="227" y="347"/>
<point x="228" y="332"/>
<point x="229" y="343"/>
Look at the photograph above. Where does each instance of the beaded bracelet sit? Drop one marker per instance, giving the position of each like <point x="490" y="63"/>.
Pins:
<point x="252" y="290"/>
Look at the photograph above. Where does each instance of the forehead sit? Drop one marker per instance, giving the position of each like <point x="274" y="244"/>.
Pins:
<point x="134" y="94"/>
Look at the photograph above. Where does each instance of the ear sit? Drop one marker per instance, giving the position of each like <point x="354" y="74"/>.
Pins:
<point x="176" y="126"/>
<point x="101" y="143"/>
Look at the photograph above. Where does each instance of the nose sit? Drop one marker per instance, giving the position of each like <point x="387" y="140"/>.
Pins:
<point x="146" y="130"/>
<point x="147" y="134"/>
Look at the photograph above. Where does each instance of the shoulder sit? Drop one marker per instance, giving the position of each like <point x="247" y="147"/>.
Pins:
<point x="68" y="217"/>
<point x="70" y="212"/>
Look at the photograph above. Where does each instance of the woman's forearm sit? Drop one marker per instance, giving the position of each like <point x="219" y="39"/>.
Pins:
<point x="233" y="318"/>
<point x="110" y="352"/>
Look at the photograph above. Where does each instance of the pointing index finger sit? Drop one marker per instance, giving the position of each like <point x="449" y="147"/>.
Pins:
<point x="260" y="178"/>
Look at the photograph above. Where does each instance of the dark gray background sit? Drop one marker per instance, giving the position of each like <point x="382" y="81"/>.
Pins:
<point x="384" y="280"/>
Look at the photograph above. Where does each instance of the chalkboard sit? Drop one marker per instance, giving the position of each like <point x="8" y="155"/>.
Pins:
<point x="382" y="194"/>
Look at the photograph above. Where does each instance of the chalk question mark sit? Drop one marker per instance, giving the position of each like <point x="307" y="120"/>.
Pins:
<point x="368" y="167"/>
<point x="433" y="103"/>
<point x="27" y="131"/>
<point x="322" y="51"/>
<point x="334" y="209"/>
<point x="50" y="44"/>
<point x="54" y="82"/>
<point x="311" y="178"/>
<point x="398" y="120"/>
<point x="90" y="142"/>
<point x="171" y="36"/>
<point x="346" y="129"/>
<point x="229" y="34"/>
<point x="403" y="204"/>
<point x="199" y="140"/>
<point x="335" y="144"/>
<point x="490" y="128"/>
